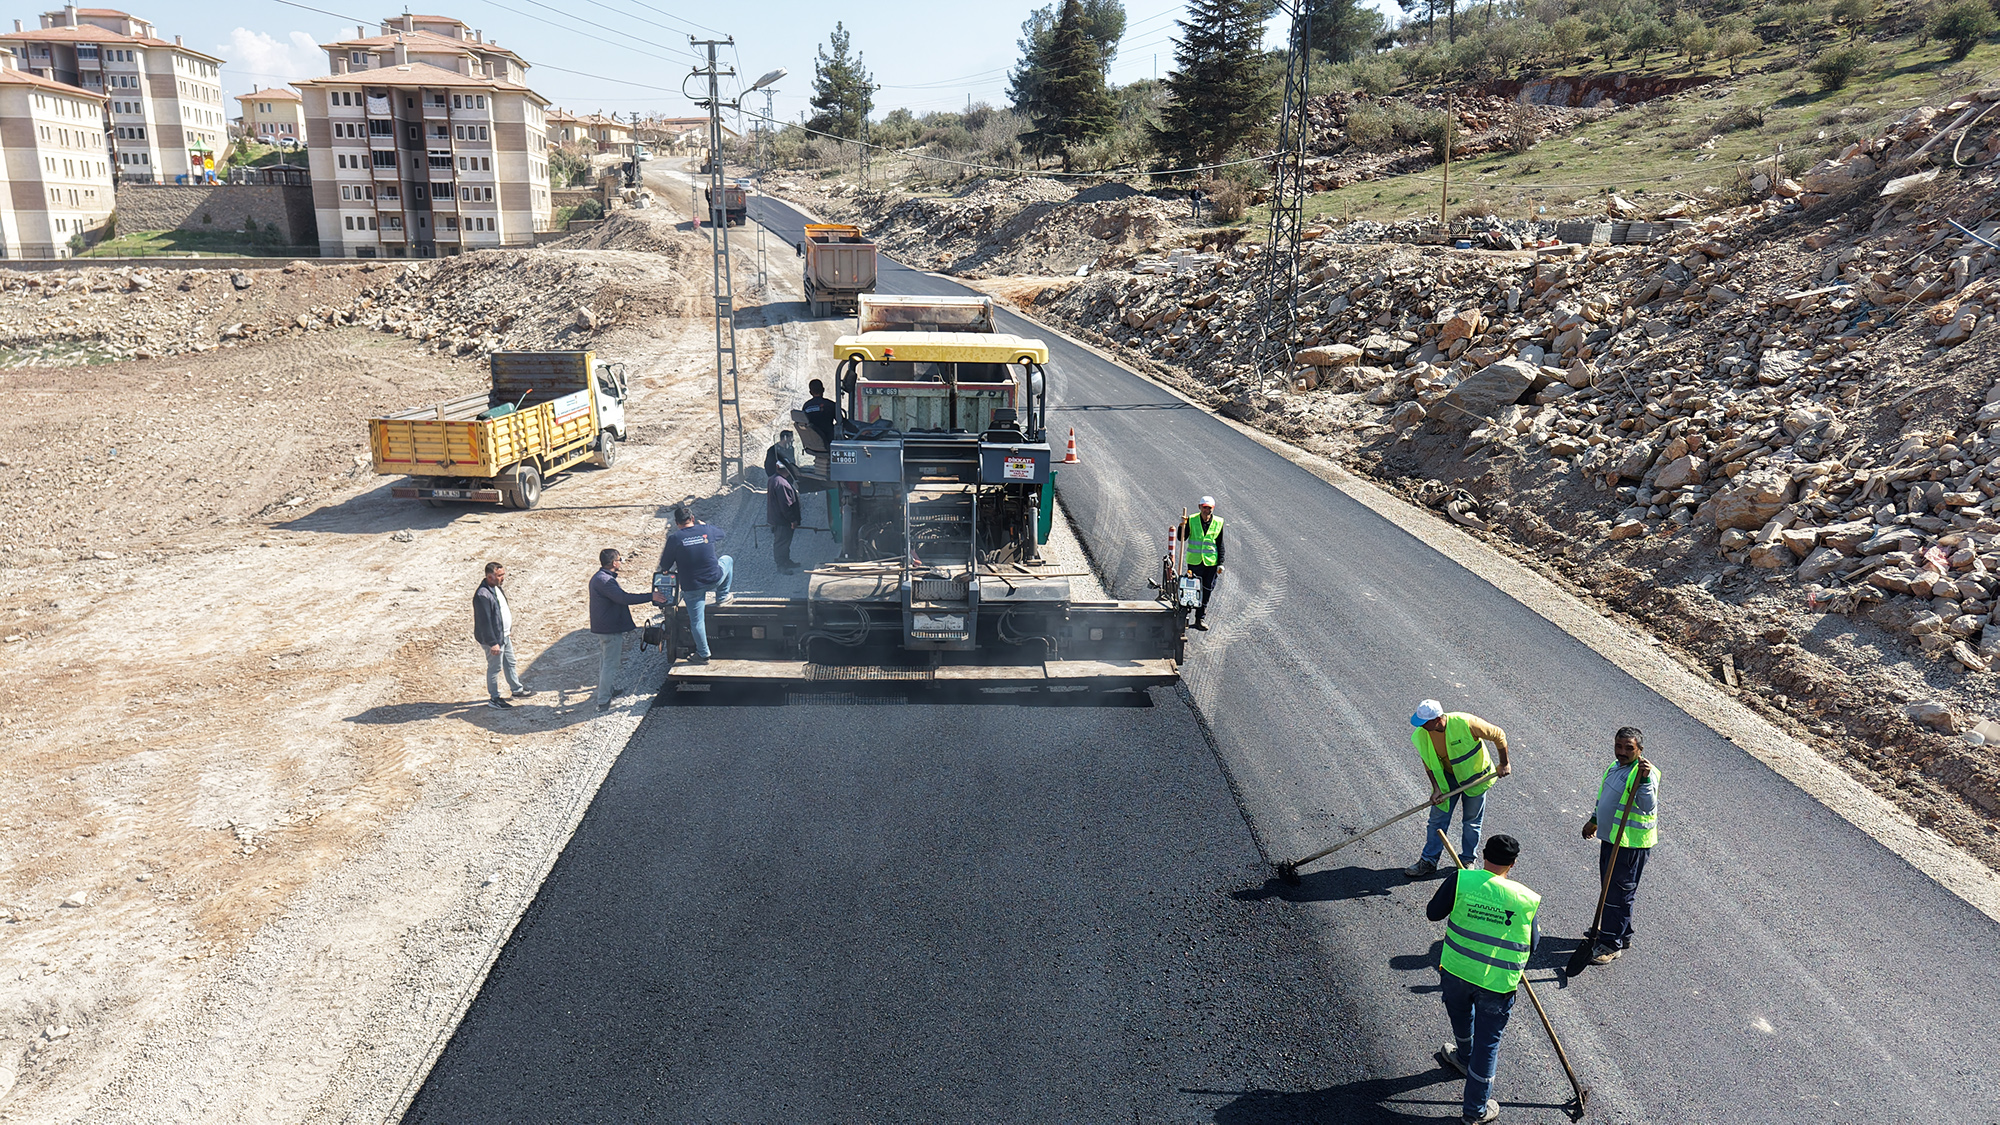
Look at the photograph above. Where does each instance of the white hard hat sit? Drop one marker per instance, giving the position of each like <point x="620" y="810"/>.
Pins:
<point x="1208" y="502"/>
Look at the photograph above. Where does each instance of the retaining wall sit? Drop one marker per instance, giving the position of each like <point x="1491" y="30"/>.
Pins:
<point x="219" y="207"/>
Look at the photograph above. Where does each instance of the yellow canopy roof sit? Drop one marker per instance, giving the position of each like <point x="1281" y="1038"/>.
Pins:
<point x="942" y="347"/>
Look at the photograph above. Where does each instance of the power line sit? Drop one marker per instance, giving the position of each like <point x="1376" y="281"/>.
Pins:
<point x="626" y="45"/>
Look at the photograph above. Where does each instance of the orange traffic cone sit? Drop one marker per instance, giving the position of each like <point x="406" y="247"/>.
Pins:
<point x="1071" y="458"/>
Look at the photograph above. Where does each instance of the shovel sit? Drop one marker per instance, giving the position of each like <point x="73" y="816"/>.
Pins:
<point x="1575" y="1106"/>
<point x="1288" y="871"/>
<point x="1581" y="958"/>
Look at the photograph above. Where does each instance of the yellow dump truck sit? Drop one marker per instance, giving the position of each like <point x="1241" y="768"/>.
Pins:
<point x="544" y="413"/>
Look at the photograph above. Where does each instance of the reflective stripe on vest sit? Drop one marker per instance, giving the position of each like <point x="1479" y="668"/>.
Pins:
<point x="1201" y="549"/>
<point x="1465" y="755"/>
<point x="1486" y="939"/>
<point x="1641" y="829"/>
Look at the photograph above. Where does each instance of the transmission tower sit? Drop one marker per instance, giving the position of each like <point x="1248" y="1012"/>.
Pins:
<point x="1288" y="203"/>
<point x="728" y="410"/>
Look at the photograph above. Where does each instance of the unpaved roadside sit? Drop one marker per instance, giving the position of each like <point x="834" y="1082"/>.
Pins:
<point x="251" y="750"/>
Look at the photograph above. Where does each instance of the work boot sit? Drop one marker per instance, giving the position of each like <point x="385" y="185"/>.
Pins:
<point x="498" y="703"/>
<point x="1420" y="869"/>
<point x="1489" y="1112"/>
<point x="1604" y="954"/>
<point x="1448" y="1055"/>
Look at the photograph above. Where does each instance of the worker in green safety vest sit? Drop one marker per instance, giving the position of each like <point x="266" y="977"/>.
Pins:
<point x="1452" y="747"/>
<point x="1493" y="927"/>
<point x="1628" y="811"/>
<point x="1202" y="533"/>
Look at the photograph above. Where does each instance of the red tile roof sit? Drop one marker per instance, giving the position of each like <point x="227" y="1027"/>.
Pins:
<point x="422" y="41"/>
<point x="417" y="74"/>
<point x="22" y="77"/>
<point x="271" y="95"/>
<point x="91" y="33"/>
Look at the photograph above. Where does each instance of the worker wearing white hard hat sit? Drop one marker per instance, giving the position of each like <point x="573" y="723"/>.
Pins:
<point x="1202" y="535"/>
<point x="1452" y="747"/>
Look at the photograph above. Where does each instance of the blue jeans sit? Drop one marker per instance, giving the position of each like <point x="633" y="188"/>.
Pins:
<point x="498" y="662"/>
<point x="1616" y="928"/>
<point x="696" y="599"/>
<point x="1478" y="1018"/>
<point x="1475" y="815"/>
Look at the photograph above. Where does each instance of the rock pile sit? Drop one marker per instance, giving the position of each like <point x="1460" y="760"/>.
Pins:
<point x="1021" y="226"/>
<point x="1720" y="386"/>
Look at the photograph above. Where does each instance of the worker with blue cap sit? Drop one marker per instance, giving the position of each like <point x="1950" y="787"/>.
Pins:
<point x="1452" y="746"/>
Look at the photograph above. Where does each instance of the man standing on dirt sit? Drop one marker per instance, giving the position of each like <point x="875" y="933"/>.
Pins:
<point x="781" y="511"/>
<point x="493" y="628"/>
<point x="611" y="622"/>
<point x="1628" y="803"/>
<point x="690" y="553"/>
<point x="820" y="411"/>
<point x="1202" y="533"/>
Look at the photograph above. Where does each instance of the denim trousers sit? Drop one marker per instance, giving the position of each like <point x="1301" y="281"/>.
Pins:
<point x="1474" y="816"/>
<point x="696" y="599"/>
<point x="1616" y="928"/>
<point x="1478" y="1018"/>
<point x="610" y="660"/>
<point x="498" y="662"/>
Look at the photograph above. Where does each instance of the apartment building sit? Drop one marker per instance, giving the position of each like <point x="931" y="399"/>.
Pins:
<point x="52" y="157"/>
<point x="166" y="116"/>
<point x="438" y="41"/>
<point x="413" y="160"/>
<point x="592" y="130"/>
<point x="273" y="116"/>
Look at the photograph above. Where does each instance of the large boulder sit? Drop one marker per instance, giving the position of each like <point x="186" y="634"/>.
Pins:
<point x="1753" y="499"/>
<point x="1483" y="393"/>
<point x="1329" y="355"/>
<point x="1679" y="472"/>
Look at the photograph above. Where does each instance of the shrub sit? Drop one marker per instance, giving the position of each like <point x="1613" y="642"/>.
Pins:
<point x="1227" y="199"/>
<point x="1962" y="25"/>
<point x="587" y="210"/>
<point x="1735" y="44"/>
<point x="1836" y="65"/>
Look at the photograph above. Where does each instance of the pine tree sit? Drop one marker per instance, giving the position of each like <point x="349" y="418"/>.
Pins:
<point x="1343" y="29"/>
<point x="1103" y="25"/>
<point x="843" y="90"/>
<point x="1222" y="95"/>
<point x="1074" y="105"/>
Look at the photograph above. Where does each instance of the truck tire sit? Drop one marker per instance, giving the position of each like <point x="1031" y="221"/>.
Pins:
<point x="527" y="490"/>
<point x="607" y="449"/>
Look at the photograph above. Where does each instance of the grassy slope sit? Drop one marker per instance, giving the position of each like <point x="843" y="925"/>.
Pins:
<point x="1654" y="149"/>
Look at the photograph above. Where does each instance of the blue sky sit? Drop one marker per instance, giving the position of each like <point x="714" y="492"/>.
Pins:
<point x="629" y="56"/>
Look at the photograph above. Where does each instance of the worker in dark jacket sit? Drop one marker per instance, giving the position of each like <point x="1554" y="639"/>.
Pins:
<point x="781" y="455"/>
<point x="1202" y="534"/>
<point x="781" y="511"/>
<point x="493" y="628"/>
<point x="611" y="622"/>
<point x="820" y="411"/>
<point x="690" y="554"/>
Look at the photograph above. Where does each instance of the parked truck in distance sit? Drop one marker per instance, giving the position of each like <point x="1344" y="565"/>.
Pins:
<point x="735" y="204"/>
<point x="840" y="267"/>
<point x="545" y="412"/>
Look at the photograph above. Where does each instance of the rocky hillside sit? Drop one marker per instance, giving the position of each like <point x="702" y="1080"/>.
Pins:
<point x="1773" y="435"/>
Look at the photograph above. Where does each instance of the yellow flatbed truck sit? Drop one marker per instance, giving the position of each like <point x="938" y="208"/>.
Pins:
<point x="544" y="413"/>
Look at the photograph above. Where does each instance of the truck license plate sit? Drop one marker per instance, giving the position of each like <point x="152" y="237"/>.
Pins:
<point x="449" y="493"/>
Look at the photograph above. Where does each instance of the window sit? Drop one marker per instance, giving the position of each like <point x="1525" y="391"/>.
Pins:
<point x="382" y="128"/>
<point x="441" y="160"/>
<point x="488" y="196"/>
<point x="359" y="58"/>
<point x="349" y="221"/>
<point x="486" y="164"/>
<point x="343" y="193"/>
<point x="420" y="193"/>
<point x="371" y="222"/>
<point x="441" y="191"/>
<point x="384" y="159"/>
<point x="395" y="222"/>
<point x="451" y="222"/>
<point x="414" y="133"/>
<point x="481" y="99"/>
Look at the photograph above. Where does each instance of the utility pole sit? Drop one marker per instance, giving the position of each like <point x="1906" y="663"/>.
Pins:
<point x="1288" y="203"/>
<point x="1444" y="193"/>
<point x="763" y="156"/>
<point x="728" y="408"/>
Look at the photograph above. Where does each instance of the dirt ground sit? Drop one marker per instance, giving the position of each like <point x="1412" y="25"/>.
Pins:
<point x="261" y="832"/>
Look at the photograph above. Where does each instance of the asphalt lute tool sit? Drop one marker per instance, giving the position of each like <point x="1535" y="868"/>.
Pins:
<point x="1288" y="871"/>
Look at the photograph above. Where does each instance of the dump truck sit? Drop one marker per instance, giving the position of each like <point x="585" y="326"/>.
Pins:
<point x="943" y="494"/>
<point x="544" y="413"/>
<point x="735" y="204"/>
<point x="840" y="267"/>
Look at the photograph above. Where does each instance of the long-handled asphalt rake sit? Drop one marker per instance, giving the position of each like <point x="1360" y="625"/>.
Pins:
<point x="1288" y="870"/>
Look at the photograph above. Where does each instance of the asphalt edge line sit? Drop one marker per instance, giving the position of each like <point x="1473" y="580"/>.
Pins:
<point x="615" y="743"/>
<point x="1641" y="657"/>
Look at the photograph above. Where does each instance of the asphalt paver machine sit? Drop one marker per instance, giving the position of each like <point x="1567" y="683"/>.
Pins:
<point x="942" y="494"/>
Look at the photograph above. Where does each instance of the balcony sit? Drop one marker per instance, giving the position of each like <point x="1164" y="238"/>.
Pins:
<point x="395" y="236"/>
<point x="388" y="174"/>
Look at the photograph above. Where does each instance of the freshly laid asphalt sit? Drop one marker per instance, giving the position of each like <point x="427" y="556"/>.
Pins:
<point x="947" y="911"/>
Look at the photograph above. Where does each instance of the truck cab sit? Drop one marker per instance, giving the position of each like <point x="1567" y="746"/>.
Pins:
<point x="611" y="390"/>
